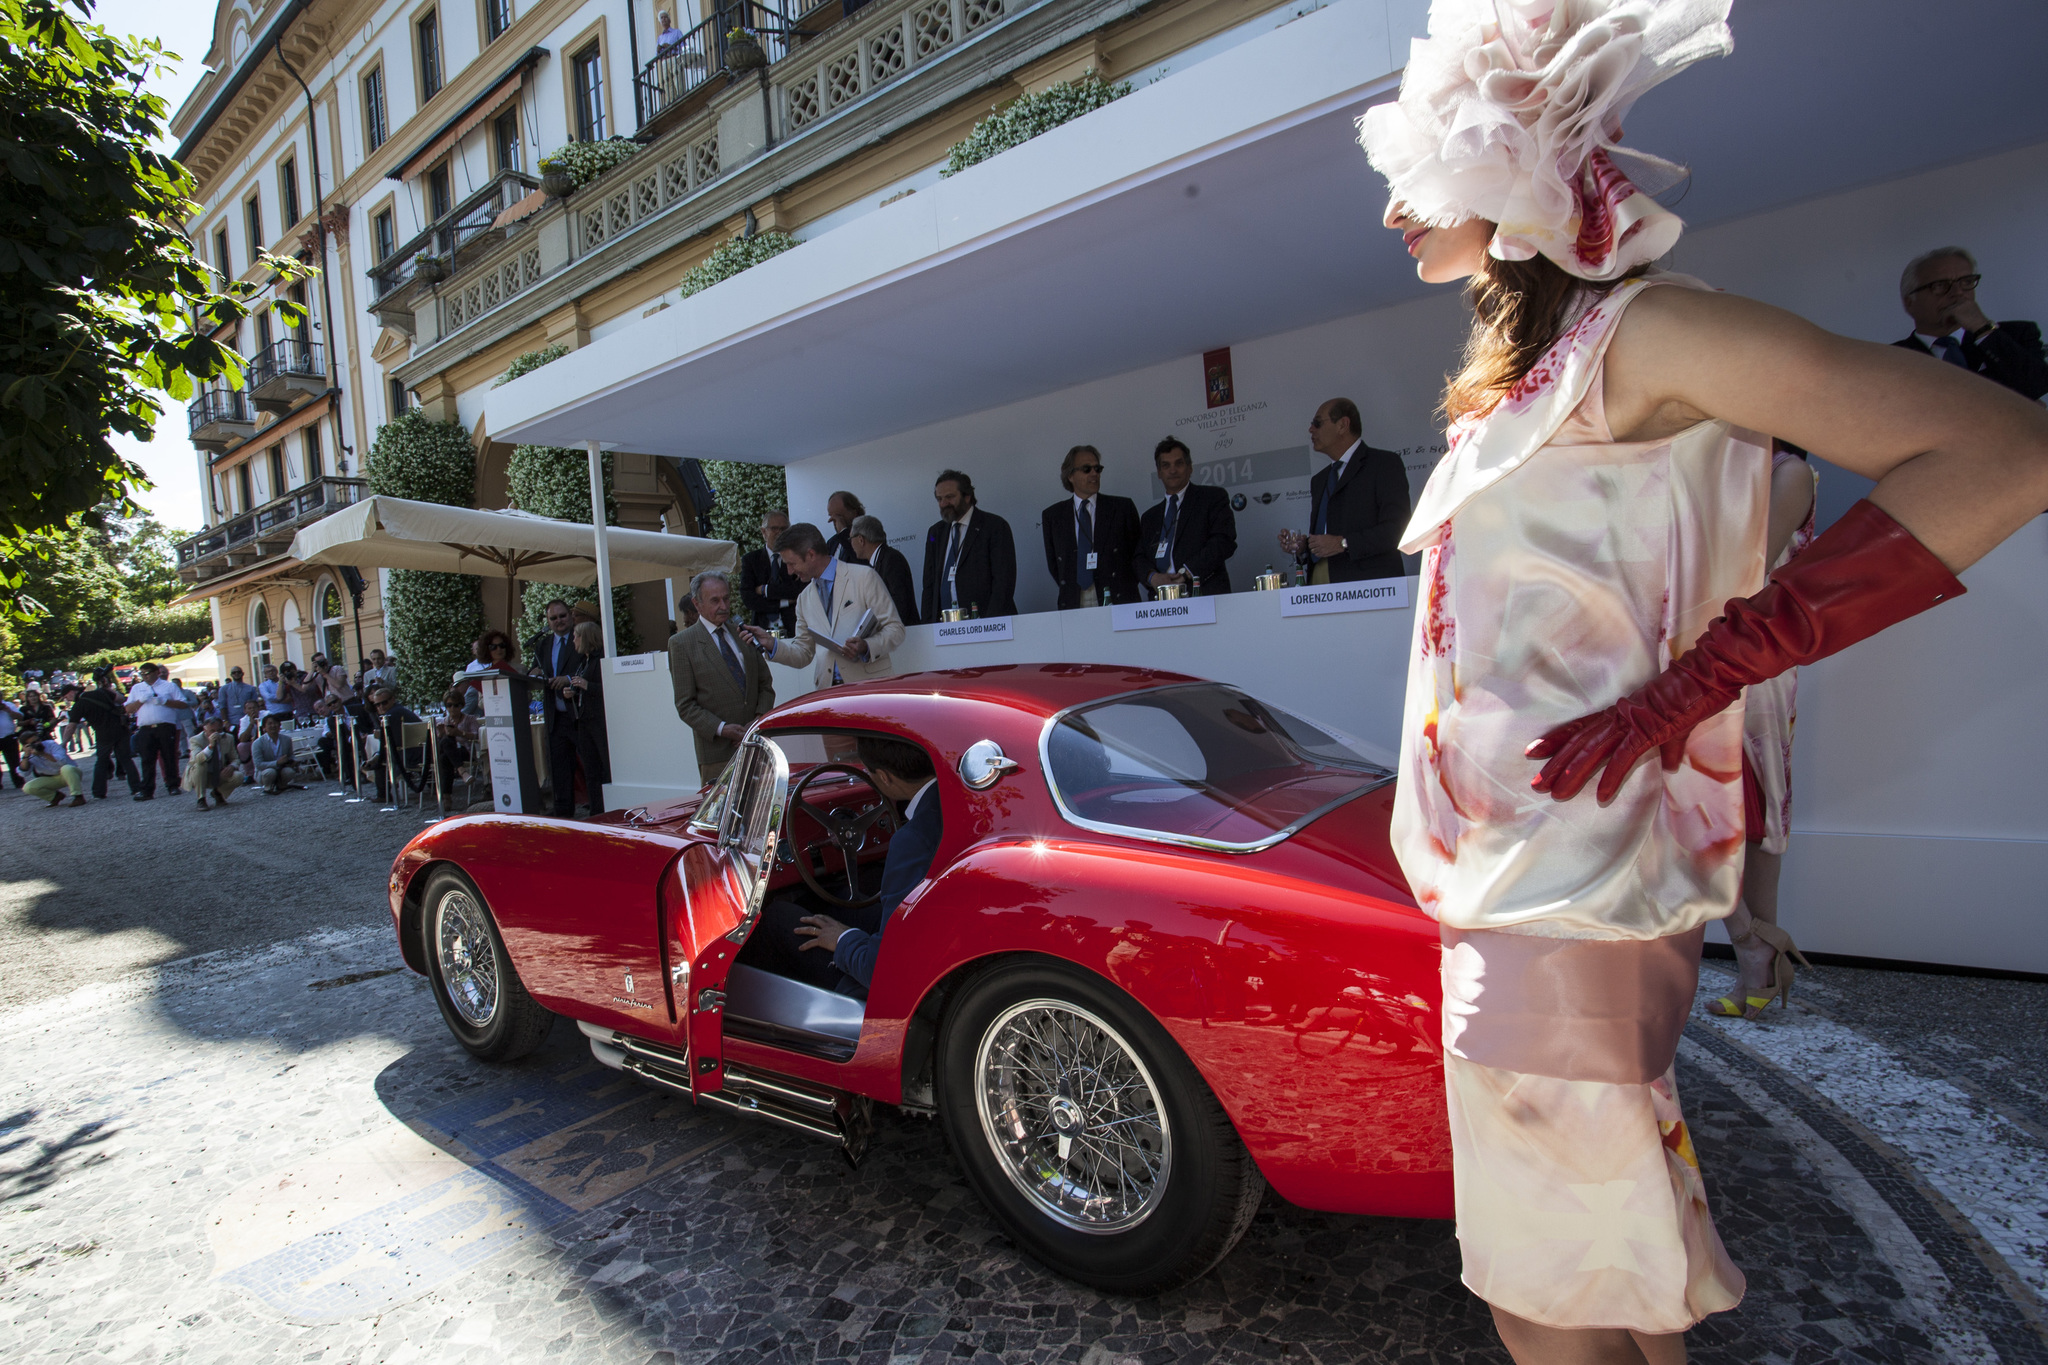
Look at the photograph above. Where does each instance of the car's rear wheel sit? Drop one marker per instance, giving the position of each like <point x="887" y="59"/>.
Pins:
<point x="480" y="995"/>
<point x="1088" y="1133"/>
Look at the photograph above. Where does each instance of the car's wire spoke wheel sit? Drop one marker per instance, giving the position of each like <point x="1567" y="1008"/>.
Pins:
<point x="476" y="985"/>
<point x="469" y="965"/>
<point x="1074" y="1115"/>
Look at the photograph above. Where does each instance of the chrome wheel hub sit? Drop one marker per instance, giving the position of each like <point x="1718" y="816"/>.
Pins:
<point x="469" y="969"/>
<point x="1073" y="1116"/>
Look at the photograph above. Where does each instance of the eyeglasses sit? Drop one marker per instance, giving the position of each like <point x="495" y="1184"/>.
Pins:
<point x="1087" y="469"/>
<point x="499" y="644"/>
<point x="1950" y="286"/>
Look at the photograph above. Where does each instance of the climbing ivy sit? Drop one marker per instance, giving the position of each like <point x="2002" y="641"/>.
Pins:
<point x="430" y="619"/>
<point x="730" y="258"/>
<point x="1026" y="118"/>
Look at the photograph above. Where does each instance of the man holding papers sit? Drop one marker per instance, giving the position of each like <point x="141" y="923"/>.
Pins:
<point x="846" y="622"/>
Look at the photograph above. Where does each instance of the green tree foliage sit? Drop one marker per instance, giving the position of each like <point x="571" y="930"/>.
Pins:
<point x="105" y="582"/>
<point x="1024" y="119"/>
<point x="431" y="619"/>
<point x="746" y="494"/>
<point x="99" y="288"/>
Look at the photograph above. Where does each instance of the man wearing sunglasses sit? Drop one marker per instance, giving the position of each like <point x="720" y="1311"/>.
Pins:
<point x="1939" y="290"/>
<point x="1091" y="537"/>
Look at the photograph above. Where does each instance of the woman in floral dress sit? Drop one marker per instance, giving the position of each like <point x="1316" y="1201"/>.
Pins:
<point x="1594" y="593"/>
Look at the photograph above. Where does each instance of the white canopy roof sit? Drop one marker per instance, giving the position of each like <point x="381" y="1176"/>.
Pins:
<point x="395" y="533"/>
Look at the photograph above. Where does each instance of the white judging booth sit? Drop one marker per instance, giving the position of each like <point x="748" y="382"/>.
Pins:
<point x="1065" y="292"/>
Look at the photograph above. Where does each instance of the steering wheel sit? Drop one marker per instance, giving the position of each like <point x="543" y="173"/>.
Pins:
<point x="847" y="833"/>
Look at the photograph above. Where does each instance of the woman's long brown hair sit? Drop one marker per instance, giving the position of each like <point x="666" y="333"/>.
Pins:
<point x="1518" y="310"/>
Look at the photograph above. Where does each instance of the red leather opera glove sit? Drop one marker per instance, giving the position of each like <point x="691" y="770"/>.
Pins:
<point x="1866" y="572"/>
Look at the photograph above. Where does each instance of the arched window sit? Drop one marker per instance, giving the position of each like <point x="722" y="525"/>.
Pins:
<point x="259" y="637"/>
<point x="330" y="624"/>
<point x="294" y="642"/>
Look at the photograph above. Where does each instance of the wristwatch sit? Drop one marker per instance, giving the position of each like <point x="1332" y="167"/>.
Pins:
<point x="1343" y="546"/>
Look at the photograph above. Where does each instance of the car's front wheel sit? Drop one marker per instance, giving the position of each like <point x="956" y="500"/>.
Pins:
<point x="1088" y="1133"/>
<point x="481" y="998"/>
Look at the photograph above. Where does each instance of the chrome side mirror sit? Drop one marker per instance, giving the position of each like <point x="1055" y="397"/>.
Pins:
<point x="983" y="764"/>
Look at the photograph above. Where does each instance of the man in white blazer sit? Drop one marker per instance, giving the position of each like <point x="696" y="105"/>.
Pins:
<point x="837" y="596"/>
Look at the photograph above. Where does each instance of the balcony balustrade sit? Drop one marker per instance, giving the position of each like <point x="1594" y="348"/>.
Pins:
<point x="219" y="417"/>
<point x="249" y="536"/>
<point x="284" y="372"/>
<point x="432" y="255"/>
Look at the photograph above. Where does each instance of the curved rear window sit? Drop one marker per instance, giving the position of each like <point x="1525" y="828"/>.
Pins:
<point x="1202" y="764"/>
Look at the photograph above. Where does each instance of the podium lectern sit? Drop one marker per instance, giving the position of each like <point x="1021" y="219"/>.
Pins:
<point x="507" y="736"/>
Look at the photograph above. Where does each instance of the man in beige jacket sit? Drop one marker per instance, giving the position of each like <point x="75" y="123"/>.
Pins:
<point x="831" y="606"/>
<point x="721" y="683"/>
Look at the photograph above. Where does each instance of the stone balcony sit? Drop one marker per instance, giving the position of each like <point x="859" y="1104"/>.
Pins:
<point x="262" y="532"/>
<point x="715" y="147"/>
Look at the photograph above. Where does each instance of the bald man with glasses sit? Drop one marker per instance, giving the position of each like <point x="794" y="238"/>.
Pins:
<point x="1939" y="291"/>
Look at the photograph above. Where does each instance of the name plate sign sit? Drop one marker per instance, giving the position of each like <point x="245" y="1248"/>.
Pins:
<point x="633" y="663"/>
<point x="976" y="631"/>
<point x="1188" y="611"/>
<point x="1317" y="599"/>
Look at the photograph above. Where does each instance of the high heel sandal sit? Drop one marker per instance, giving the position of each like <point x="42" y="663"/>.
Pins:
<point x="1784" y="951"/>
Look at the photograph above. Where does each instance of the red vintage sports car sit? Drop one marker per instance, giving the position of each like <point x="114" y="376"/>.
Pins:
<point x="1163" y="958"/>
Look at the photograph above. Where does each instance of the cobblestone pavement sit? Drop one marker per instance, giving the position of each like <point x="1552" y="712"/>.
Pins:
<point x="275" y="1152"/>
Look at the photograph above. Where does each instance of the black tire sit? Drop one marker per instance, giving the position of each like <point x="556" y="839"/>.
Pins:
<point x="483" y="1003"/>
<point x="1197" y="1185"/>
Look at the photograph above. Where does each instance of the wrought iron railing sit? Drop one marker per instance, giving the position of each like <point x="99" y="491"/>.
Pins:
<point x="431" y="255"/>
<point x="686" y="61"/>
<point x="289" y="356"/>
<point x="307" y="503"/>
<point x="216" y="403"/>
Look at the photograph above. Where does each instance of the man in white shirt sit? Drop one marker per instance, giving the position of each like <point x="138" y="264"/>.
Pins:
<point x="156" y="703"/>
<point x="830" y="609"/>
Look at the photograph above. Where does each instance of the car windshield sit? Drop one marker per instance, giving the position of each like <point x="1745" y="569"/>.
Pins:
<point x="1202" y="764"/>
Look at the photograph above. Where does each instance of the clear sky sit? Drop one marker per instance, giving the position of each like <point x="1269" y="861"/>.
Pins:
<point x="186" y="28"/>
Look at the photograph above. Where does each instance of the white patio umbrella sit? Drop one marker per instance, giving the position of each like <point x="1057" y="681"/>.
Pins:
<point x="396" y="533"/>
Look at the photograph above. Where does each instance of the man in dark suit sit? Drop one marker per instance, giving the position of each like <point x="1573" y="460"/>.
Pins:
<point x="1358" y="503"/>
<point x="840" y="509"/>
<point x="552" y="655"/>
<point x="721" y="684"/>
<point x="792" y="942"/>
<point x="871" y="547"/>
<point x="1939" y="290"/>
<point x="767" y="587"/>
<point x="970" y="557"/>
<point x="1091" y="537"/>
<point x="1188" y="536"/>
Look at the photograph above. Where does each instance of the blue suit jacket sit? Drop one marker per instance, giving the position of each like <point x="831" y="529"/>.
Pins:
<point x="910" y="859"/>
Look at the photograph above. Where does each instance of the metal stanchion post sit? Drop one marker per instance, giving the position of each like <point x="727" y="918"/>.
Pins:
<point x="434" y="757"/>
<point x="355" y="755"/>
<point x="340" y="782"/>
<point x="391" y="766"/>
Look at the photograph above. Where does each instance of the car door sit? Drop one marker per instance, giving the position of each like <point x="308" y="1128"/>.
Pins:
<point x="720" y="883"/>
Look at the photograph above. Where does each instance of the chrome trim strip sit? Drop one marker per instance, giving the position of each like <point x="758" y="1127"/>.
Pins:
<point x="1153" y="836"/>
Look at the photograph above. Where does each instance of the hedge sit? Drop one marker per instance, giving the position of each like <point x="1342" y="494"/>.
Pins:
<point x="431" y="619"/>
<point x="746" y="494"/>
<point x="730" y="258"/>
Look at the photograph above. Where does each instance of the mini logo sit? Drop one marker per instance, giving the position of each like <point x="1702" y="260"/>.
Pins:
<point x="629" y="983"/>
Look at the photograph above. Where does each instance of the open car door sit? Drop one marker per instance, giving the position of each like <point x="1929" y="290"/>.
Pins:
<point x="722" y="886"/>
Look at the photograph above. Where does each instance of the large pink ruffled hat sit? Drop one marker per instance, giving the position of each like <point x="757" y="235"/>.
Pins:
<point x="1510" y="111"/>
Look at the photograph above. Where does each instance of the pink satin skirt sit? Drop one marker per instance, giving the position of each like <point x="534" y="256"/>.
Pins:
<point x="1579" y="1197"/>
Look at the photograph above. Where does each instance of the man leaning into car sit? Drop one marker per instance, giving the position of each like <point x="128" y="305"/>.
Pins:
<point x="795" y="943"/>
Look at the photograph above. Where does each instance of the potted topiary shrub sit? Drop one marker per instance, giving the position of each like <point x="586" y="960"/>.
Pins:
<point x="743" y="51"/>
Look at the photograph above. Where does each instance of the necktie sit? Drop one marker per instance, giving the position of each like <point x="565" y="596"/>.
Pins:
<point x="952" y="562"/>
<point x="1164" y="560"/>
<point x="1949" y="349"/>
<point x="732" y="662"/>
<point x="1083" y="575"/>
<point x="825" y="596"/>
